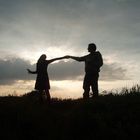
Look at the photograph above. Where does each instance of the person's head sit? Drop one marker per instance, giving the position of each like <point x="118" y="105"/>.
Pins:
<point x="91" y="47"/>
<point x="42" y="57"/>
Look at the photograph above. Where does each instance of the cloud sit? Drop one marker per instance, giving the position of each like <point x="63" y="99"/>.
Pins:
<point x="113" y="72"/>
<point x="28" y="27"/>
<point x="66" y="70"/>
<point x="53" y="22"/>
<point x="75" y="71"/>
<point x="15" y="69"/>
<point x="12" y="70"/>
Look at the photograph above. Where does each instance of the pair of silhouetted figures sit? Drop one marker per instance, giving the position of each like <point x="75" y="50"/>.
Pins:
<point x="93" y="62"/>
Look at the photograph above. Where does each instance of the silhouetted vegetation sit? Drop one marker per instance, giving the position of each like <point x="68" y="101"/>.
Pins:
<point x="112" y="116"/>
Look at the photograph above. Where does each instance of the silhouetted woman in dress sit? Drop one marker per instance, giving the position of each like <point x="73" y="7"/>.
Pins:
<point x="42" y="80"/>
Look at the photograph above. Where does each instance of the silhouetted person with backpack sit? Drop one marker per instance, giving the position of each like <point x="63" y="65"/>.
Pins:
<point x="42" y="80"/>
<point x="93" y="62"/>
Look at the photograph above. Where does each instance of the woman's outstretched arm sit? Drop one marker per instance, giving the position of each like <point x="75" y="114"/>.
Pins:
<point x="59" y="58"/>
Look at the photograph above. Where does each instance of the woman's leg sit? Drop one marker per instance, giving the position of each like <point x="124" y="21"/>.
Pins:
<point x="48" y="95"/>
<point x="41" y="95"/>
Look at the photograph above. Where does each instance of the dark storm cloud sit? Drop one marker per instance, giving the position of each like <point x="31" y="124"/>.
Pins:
<point x="75" y="71"/>
<point x="113" y="72"/>
<point x="12" y="70"/>
<point x="66" y="70"/>
<point x="15" y="69"/>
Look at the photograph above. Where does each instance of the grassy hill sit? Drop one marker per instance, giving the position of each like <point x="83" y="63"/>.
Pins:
<point x="106" y="117"/>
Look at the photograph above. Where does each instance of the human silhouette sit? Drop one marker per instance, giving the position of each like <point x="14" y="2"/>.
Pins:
<point x="93" y="62"/>
<point x="42" y="80"/>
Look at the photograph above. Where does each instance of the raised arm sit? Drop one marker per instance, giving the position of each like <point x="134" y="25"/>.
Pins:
<point x="31" y="72"/>
<point x="77" y="58"/>
<point x="59" y="58"/>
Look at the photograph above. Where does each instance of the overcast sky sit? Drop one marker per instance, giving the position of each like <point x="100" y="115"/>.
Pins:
<point x="29" y="28"/>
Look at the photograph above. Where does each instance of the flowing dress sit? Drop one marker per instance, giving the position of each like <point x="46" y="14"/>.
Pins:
<point x="42" y="79"/>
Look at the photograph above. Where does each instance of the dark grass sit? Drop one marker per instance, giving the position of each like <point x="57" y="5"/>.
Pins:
<point x="109" y="116"/>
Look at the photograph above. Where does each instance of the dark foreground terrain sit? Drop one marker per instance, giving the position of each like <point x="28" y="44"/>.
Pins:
<point x="106" y="117"/>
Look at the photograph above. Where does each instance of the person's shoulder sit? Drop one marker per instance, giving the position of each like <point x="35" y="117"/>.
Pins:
<point x="46" y="61"/>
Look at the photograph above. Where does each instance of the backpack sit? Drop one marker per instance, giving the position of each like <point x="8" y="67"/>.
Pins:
<point x="99" y="59"/>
